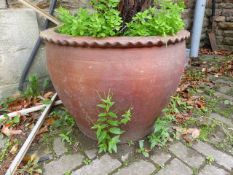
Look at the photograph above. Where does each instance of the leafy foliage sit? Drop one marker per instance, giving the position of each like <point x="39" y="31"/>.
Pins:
<point x="160" y="135"/>
<point x="65" y="121"/>
<point x="152" y="22"/>
<point x="164" y="18"/>
<point x="32" y="167"/>
<point x="142" y="149"/>
<point x="107" y="127"/>
<point x="209" y="159"/>
<point x="32" y="89"/>
<point x="104" y="21"/>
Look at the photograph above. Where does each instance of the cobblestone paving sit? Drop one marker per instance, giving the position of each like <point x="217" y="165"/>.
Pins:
<point x="177" y="159"/>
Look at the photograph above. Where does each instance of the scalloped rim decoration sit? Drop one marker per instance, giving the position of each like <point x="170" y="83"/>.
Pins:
<point x="118" y="41"/>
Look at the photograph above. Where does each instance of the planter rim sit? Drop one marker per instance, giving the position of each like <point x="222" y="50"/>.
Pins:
<point x="52" y="36"/>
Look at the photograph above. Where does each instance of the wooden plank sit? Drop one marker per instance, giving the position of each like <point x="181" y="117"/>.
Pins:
<point x="15" y="163"/>
<point x="212" y="39"/>
<point x="41" y="12"/>
<point x="29" y="110"/>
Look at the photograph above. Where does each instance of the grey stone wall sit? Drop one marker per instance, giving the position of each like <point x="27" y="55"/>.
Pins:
<point x="18" y="34"/>
<point x="224" y="24"/>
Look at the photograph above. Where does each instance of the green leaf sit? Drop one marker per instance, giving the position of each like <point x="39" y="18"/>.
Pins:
<point x="146" y="154"/>
<point x="102" y="106"/>
<point x="113" y="122"/>
<point x="16" y="119"/>
<point x="112" y="114"/>
<point x="116" y="131"/>
<point x="102" y="115"/>
<point x="141" y="143"/>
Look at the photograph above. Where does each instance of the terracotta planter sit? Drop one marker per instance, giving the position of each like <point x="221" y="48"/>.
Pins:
<point x="142" y="72"/>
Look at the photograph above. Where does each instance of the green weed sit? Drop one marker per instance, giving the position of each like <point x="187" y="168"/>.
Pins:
<point x="160" y="135"/>
<point x="33" y="88"/>
<point x="87" y="161"/>
<point x="107" y="126"/>
<point x="209" y="159"/>
<point x="142" y="149"/>
<point x="32" y="167"/>
<point x="11" y="121"/>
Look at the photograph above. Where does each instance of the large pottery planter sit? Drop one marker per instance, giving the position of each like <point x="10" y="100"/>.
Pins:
<point x="140" y="72"/>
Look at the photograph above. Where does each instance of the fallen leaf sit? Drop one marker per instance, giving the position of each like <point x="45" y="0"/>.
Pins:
<point x="43" y="130"/>
<point x="9" y="132"/>
<point x="14" y="149"/>
<point x="194" y="132"/>
<point x="48" y="94"/>
<point x="30" y="157"/>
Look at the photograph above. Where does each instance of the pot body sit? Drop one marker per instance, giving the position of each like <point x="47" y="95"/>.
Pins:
<point x="139" y="77"/>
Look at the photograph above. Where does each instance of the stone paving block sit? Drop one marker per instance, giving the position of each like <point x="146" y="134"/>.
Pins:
<point x="212" y="170"/>
<point x="42" y="151"/>
<point x="187" y="155"/>
<point x="224" y="89"/>
<point x="222" y="119"/>
<point x="160" y="158"/>
<point x="220" y="157"/>
<point x="221" y="95"/>
<point x="224" y="82"/>
<point x="137" y="168"/>
<point x="64" y="164"/>
<point x="176" y="167"/>
<point x="217" y="137"/>
<point x="91" y="154"/>
<point x="124" y="151"/>
<point x="58" y="147"/>
<point x="102" y="166"/>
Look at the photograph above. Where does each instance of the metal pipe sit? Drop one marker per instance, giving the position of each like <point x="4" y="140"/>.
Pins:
<point x="197" y="27"/>
<point x="35" y="49"/>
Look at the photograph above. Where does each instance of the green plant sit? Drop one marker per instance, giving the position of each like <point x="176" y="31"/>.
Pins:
<point x="4" y="151"/>
<point x="11" y="121"/>
<point x="152" y="22"/>
<point x="162" y="18"/>
<point x="107" y="126"/>
<point x="32" y="167"/>
<point x="5" y="103"/>
<point x="86" y="161"/>
<point x="104" y="21"/>
<point x="195" y="171"/>
<point x="206" y="130"/>
<point x="160" y="135"/>
<point x="195" y="75"/>
<point x="178" y="105"/>
<point x="130" y="143"/>
<point x="142" y="150"/>
<point x="209" y="159"/>
<point x="65" y="137"/>
<point x="32" y="89"/>
<point x="68" y="173"/>
<point x="62" y="125"/>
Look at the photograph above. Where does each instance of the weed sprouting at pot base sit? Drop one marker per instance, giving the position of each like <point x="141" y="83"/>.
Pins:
<point x="108" y="125"/>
